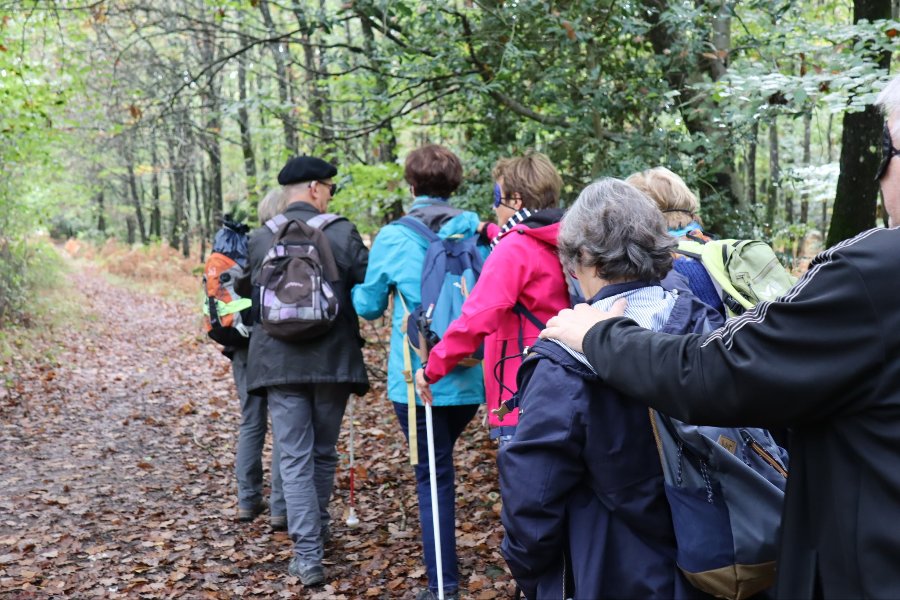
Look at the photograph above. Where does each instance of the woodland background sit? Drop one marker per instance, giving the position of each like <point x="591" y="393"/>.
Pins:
<point x="128" y="127"/>
<point x="146" y="120"/>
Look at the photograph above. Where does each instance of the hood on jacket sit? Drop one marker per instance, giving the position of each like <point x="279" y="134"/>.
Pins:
<point x="434" y="212"/>
<point x="542" y="218"/>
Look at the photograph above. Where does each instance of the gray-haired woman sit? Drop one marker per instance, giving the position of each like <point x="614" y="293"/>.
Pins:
<point x="273" y="203"/>
<point x="255" y="421"/>
<point x="582" y="485"/>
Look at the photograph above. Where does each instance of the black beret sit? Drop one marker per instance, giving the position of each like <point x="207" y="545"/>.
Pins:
<point x="305" y="168"/>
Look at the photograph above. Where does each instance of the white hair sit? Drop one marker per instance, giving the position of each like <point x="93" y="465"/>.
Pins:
<point x="274" y="203"/>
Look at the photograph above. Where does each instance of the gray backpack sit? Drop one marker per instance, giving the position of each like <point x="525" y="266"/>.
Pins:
<point x="297" y="300"/>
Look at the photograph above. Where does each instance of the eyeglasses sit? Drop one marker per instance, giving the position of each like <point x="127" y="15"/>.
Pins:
<point x="333" y="187"/>
<point x="498" y="198"/>
<point x="887" y="153"/>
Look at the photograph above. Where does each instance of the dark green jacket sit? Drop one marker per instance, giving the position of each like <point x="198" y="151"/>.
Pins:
<point x="335" y="357"/>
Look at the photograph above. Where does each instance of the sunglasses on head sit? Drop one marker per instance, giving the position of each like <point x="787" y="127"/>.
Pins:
<point x="333" y="187"/>
<point x="887" y="153"/>
<point x="498" y="198"/>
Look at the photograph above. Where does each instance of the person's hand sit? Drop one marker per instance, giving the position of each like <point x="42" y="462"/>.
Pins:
<point x="571" y="325"/>
<point x="423" y="388"/>
<point x="481" y="227"/>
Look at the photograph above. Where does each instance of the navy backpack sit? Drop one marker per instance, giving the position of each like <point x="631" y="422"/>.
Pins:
<point x="450" y="271"/>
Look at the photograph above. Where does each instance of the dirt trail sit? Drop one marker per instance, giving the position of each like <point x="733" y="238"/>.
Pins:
<point x="117" y="481"/>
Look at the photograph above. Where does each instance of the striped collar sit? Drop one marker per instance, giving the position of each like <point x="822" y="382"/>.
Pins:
<point x="649" y="305"/>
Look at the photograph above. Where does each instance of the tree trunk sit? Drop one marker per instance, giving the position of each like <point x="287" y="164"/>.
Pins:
<point x="101" y="213"/>
<point x="751" y="165"/>
<point x="132" y="186"/>
<point x="198" y="205"/>
<point x="386" y="151"/>
<point x="129" y="223"/>
<point x="186" y="218"/>
<point x="666" y="44"/>
<point x="244" y="124"/>
<point x="263" y="127"/>
<point x="774" y="175"/>
<point x="807" y="162"/>
<point x="856" y="198"/>
<point x="279" y="52"/>
<point x="156" y="214"/>
<point x="176" y="187"/>
<point x="312" y="67"/>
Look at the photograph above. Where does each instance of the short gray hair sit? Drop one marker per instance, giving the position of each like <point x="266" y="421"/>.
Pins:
<point x="618" y="229"/>
<point x="273" y="203"/>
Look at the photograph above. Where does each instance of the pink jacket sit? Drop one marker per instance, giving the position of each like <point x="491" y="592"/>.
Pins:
<point x="523" y="267"/>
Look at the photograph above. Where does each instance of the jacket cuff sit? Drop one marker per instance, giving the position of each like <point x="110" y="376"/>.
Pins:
<point x="430" y="378"/>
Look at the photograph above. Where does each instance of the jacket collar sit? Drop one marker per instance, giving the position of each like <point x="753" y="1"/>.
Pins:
<point x="305" y="207"/>
<point x="620" y="288"/>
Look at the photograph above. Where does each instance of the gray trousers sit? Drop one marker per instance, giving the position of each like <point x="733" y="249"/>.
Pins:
<point x="248" y="462"/>
<point x="306" y="420"/>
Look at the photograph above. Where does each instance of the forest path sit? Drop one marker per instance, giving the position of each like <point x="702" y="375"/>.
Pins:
<point x="117" y="474"/>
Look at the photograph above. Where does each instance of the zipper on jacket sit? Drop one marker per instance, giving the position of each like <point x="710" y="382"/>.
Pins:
<point x="761" y="452"/>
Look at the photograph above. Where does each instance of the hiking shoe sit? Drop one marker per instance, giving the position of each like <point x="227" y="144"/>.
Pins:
<point x="308" y="574"/>
<point x="245" y="515"/>
<point x="278" y="522"/>
<point x="427" y="594"/>
<point x="326" y="534"/>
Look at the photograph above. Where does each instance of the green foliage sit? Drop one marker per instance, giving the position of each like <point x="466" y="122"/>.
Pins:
<point x="603" y="88"/>
<point x="368" y="193"/>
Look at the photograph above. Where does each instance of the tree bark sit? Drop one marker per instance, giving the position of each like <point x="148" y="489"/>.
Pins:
<point x="279" y="52"/>
<point x="726" y="180"/>
<point x="807" y="162"/>
<point x="132" y="186"/>
<point x="156" y="214"/>
<point x="176" y="185"/>
<point x="201" y="221"/>
<point x="321" y="114"/>
<point x="751" y="165"/>
<point x="856" y="198"/>
<point x="244" y="124"/>
<point x="101" y="213"/>
<point x="129" y="224"/>
<point x="774" y="175"/>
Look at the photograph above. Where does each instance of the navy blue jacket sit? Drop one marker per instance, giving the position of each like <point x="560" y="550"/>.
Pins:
<point x="582" y="484"/>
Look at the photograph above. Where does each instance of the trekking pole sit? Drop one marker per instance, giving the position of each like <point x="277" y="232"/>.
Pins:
<point x="352" y="521"/>
<point x="424" y="349"/>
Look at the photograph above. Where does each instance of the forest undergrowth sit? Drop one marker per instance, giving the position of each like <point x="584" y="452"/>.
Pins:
<point x="117" y="446"/>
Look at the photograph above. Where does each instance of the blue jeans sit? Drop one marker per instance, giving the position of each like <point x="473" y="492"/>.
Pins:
<point x="449" y="423"/>
<point x="248" y="461"/>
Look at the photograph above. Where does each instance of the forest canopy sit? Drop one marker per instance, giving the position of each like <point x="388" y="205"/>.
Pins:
<point x="149" y="119"/>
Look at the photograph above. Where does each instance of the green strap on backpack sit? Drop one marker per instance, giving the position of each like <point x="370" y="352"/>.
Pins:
<point x="745" y="272"/>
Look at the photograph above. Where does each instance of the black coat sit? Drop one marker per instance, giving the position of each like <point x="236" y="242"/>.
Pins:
<point x="825" y="360"/>
<point x="335" y="357"/>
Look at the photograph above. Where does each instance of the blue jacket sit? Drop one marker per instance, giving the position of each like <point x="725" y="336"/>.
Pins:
<point x="582" y="482"/>
<point x="395" y="265"/>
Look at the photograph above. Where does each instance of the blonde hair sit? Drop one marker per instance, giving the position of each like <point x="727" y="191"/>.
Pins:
<point x="274" y="203"/>
<point x="670" y="193"/>
<point x="533" y="176"/>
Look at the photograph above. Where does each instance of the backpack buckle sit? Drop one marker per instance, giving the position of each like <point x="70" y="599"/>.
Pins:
<point x="408" y="376"/>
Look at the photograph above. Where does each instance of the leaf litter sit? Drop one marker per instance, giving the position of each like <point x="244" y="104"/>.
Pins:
<point x="118" y="479"/>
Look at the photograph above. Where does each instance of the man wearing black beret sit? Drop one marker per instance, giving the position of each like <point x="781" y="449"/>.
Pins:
<point x="308" y="383"/>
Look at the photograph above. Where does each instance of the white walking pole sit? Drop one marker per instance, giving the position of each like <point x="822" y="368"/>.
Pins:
<point x="352" y="521"/>
<point x="434" y="501"/>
